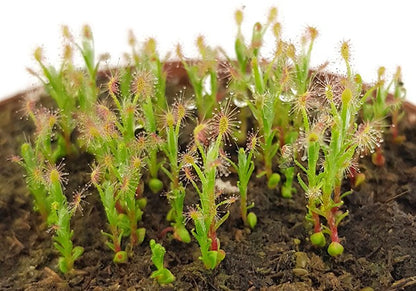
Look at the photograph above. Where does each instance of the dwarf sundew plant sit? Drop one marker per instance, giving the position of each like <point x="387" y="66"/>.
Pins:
<point x="45" y="181"/>
<point x="71" y="88"/>
<point x="307" y="124"/>
<point x="172" y="121"/>
<point x="203" y="77"/>
<point x="117" y="175"/>
<point x="206" y="215"/>
<point x="334" y="153"/>
<point x="383" y="105"/>
<point x="245" y="168"/>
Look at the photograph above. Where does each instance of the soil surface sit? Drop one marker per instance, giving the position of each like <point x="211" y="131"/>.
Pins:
<point x="379" y="235"/>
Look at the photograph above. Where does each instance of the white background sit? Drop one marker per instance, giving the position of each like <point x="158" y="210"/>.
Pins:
<point x="380" y="32"/>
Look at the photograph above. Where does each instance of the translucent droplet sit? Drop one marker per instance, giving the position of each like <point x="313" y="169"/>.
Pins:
<point x="286" y="97"/>
<point x="303" y="158"/>
<point x="191" y="106"/>
<point x="206" y="86"/>
<point x="240" y="102"/>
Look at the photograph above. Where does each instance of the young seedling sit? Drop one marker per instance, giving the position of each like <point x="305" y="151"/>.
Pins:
<point x="45" y="182"/>
<point x="71" y="89"/>
<point x="383" y="105"/>
<point x="147" y="58"/>
<point x="162" y="275"/>
<point x="59" y="220"/>
<point x="120" y="157"/>
<point x="205" y="215"/>
<point x="245" y="168"/>
<point x="34" y="158"/>
<point x="203" y="77"/>
<point x="149" y="85"/>
<point x="143" y="95"/>
<point x="172" y="121"/>
<point x="338" y="150"/>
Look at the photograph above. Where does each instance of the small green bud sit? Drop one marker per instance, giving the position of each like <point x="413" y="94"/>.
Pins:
<point x="213" y="258"/>
<point x="141" y="233"/>
<point x="318" y="239"/>
<point x="335" y="249"/>
<point x="38" y="54"/>
<point x="238" y="17"/>
<point x="252" y="220"/>
<point x="286" y="191"/>
<point x="182" y="234"/>
<point x="142" y="202"/>
<point x="345" y="51"/>
<point x="155" y="185"/>
<point x="120" y="257"/>
<point x="359" y="179"/>
<point x="273" y="181"/>
<point x="346" y="96"/>
<point x="171" y="215"/>
<point x="272" y="14"/>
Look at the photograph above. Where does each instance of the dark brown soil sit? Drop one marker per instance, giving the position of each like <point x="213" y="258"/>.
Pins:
<point x="379" y="235"/>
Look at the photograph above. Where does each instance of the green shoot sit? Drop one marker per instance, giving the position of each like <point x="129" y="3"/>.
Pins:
<point x="162" y="274"/>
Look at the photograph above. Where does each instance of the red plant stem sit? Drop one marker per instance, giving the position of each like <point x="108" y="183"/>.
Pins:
<point x="352" y="175"/>
<point x="119" y="208"/>
<point x="316" y="222"/>
<point x="139" y="191"/>
<point x="281" y="136"/>
<point x="133" y="228"/>
<point x="213" y="236"/>
<point x="332" y="225"/>
<point x="164" y="231"/>
<point x="117" y="246"/>
<point x="337" y="195"/>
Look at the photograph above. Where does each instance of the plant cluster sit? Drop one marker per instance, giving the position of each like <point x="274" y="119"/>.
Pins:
<point x="306" y="124"/>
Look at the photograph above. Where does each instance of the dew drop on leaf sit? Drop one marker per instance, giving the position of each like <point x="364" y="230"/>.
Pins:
<point x="239" y="102"/>
<point x="286" y="97"/>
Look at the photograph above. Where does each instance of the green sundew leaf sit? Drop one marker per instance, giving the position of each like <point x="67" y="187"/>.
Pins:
<point x="77" y="252"/>
<point x="302" y="183"/>
<point x="222" y="220"/>
<point x="59" y="248"/>
<point x="241" y="53"/>
<point x="158" y="253"/>
<point x="301" y="166"/>
<point x="163" y="276"/>
<point x="28" y="156"/>
<point x="63" y="265"/>
<point x="123" y="223"/>
<point x="148" y="111"/>
<point x="110" y="245"/>
<point x="339" y="218"/>
<point x="211" y="259"/>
